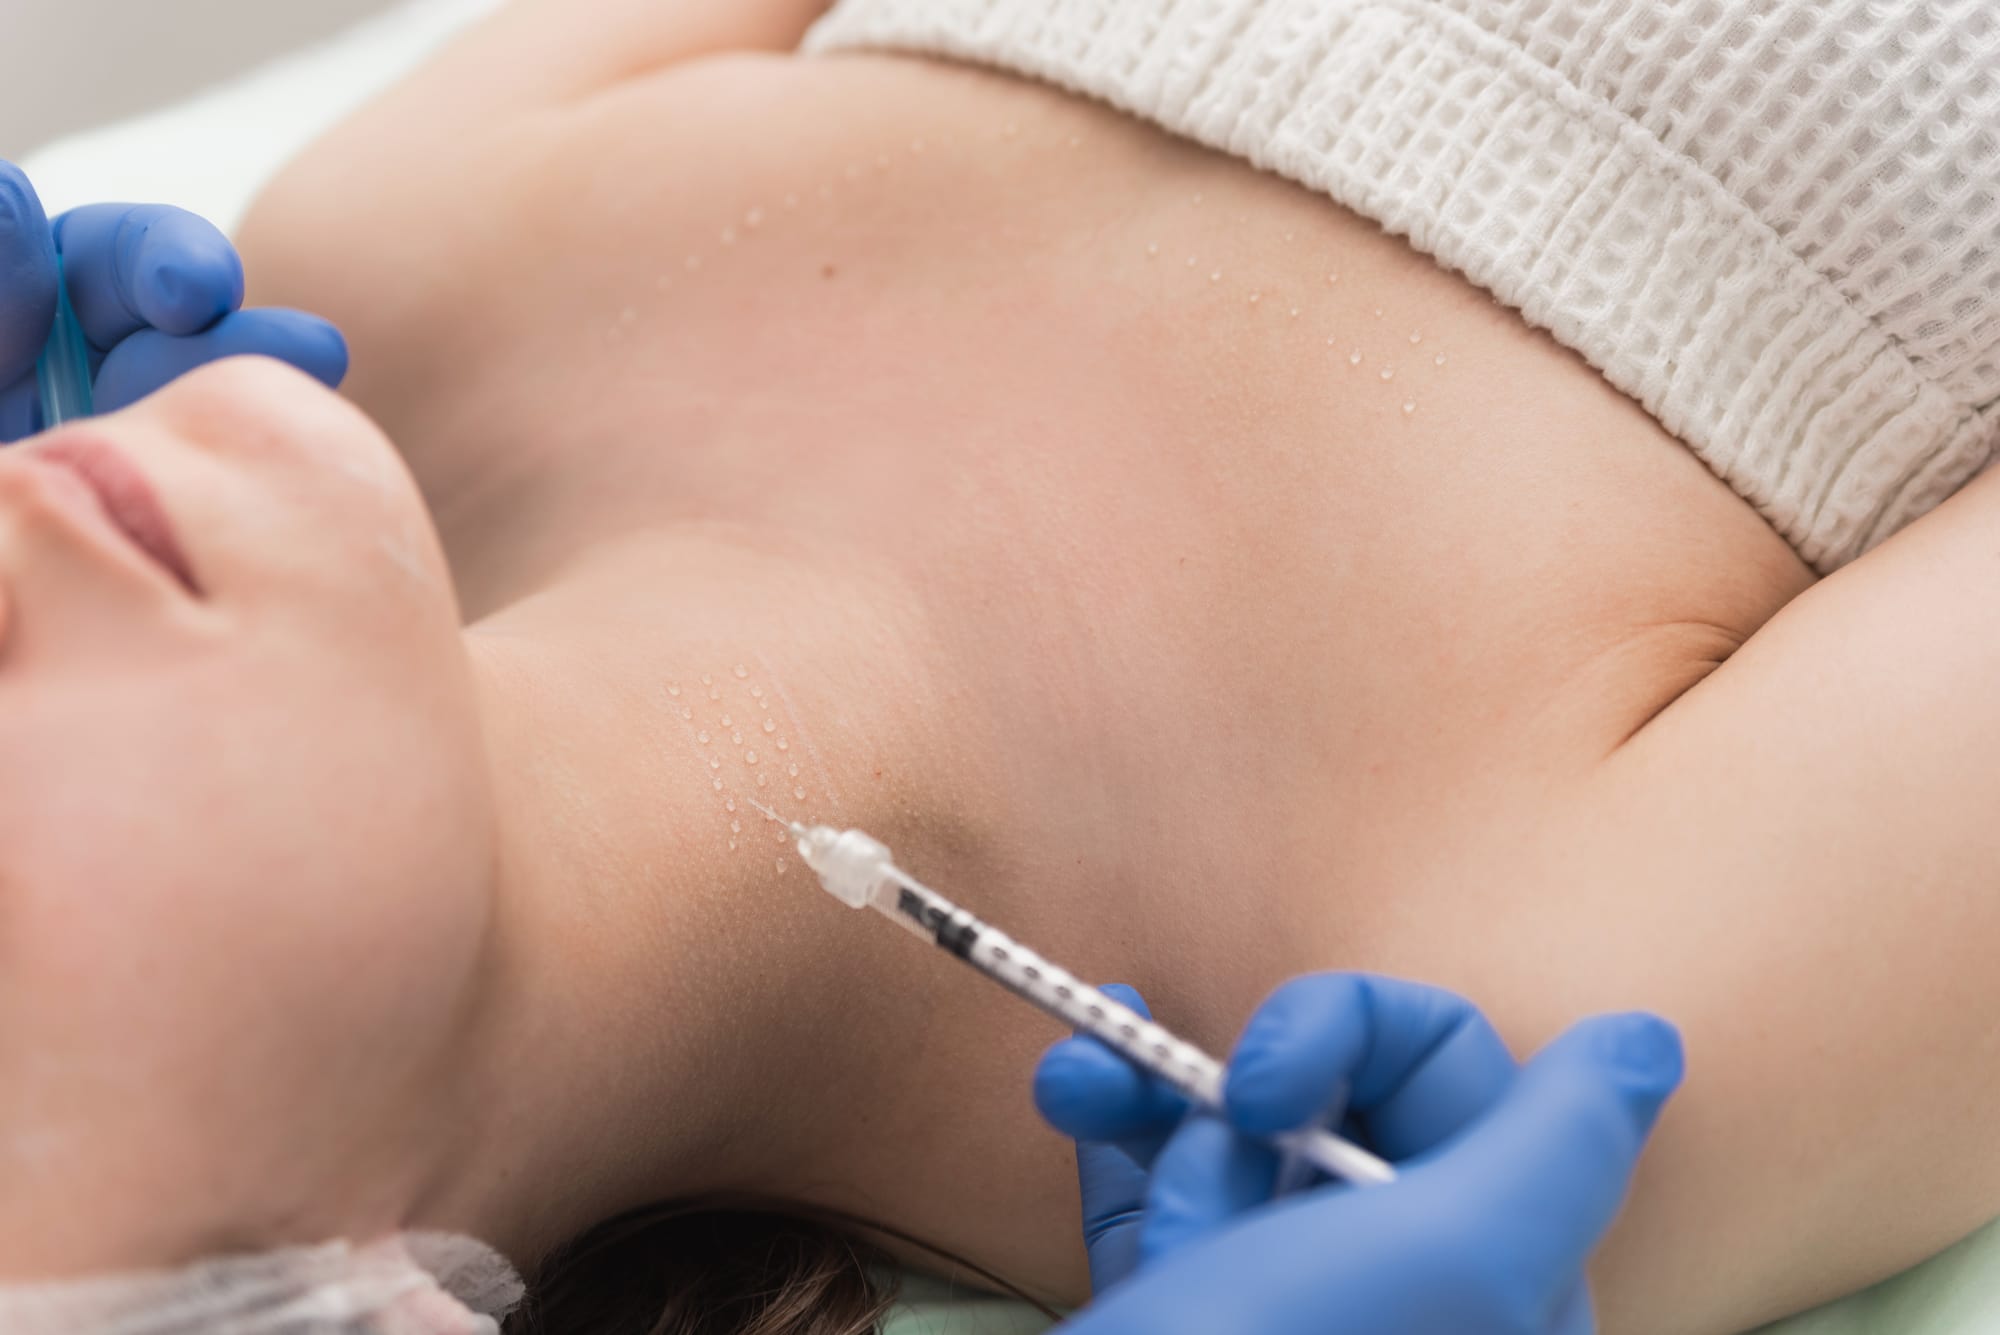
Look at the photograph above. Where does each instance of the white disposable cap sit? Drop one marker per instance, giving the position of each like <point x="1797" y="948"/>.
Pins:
<point x="850" y="864"/>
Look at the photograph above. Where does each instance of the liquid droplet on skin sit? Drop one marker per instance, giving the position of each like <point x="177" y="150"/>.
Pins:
<point x="1439" y="360"/>
<point x="781" y="866"/>
<point x="793" y="769"/>
<point x="725" y="721"/>
<point x="1191" y="261"/>
<point x="714" y="763"/>
<point x="1409" y="410"/>
<point x="754" y="218"/>
<point x="714" y="694"/>
<point x="730" y="805"/>
<point x="1378" y="312"/>
<point x="784" y="745"/>
<point x="1256" y="297"/>
<point x="737" y="737"/>
<point x="1295" y="312"/>
<point x="799" y="793"/>
<point x="673" y="690"/>
<point x="1388" y="373"/>
<point x="732" y="845"/>
<point x="736" y="827"/>
<point x="716" y="784"/>
<point x="707" y="680"/>
<point x="1215" y="277"/>
<point x="1416" y="339"/>
<point x="749" y="757"/>
<point x="1332" y="278"/>
<point x="741" y="672"/>
<point x="728" y="236"/>
<point x="702" y="737"/>
<point x="770" y="725"/>
<point x="686" y="712"/>
<point x="1291" y="236"/>
<point x="763" y="780"/>
<point x="1354" y="358"/>
<point x="1153" y="248"/>
<point x="762" y="703"/>
<point x="756" y="692"/>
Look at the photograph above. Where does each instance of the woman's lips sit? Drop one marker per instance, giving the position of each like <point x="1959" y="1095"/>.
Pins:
<point x="127" y="497"/>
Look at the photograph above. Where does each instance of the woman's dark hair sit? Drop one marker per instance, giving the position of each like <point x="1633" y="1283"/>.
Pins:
<point x="700" y="1269"/>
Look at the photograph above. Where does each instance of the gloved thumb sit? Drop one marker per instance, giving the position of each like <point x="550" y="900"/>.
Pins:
<point x="1120" y="1117"/>
<point x="27" y="276"/>
<point x="1556" y="1157"/>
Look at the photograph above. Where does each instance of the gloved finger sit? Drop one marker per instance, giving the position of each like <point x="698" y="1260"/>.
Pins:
<point x="27" y="275"/>
<point x="1205" y="1177"/>
<point x="19" y="410"/>
<point x="149" y="360"/>
<point x="1090" y="1093"/>
<point x="1556" y="1157"/>
<point x="1575" y="1313"/>
<point x="146" y="266"/>
<point x="1416" y="1064"/>
<point x="1114" y="1206"/>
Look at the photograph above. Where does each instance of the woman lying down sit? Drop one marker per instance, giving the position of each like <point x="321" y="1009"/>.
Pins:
<point x="1556" y="570"/>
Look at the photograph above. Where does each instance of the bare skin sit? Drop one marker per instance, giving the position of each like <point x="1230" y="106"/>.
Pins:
<point x="1134" y="611"/>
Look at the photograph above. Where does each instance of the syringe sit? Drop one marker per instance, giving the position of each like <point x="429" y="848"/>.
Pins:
<point x="860" y="872"/>
<point x="63" y="373"/>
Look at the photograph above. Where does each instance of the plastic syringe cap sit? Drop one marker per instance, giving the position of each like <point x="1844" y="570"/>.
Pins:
<point x="849" y="863"/>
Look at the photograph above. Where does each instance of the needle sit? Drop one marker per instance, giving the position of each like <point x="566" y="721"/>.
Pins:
<point x="791" y="825"/>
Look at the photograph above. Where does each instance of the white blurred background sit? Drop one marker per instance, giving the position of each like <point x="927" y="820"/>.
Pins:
<point x="71" y="64"/>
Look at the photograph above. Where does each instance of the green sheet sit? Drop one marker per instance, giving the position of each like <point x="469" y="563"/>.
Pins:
<point x="932" y="1307"/>
<point x="1957" y="1293"/>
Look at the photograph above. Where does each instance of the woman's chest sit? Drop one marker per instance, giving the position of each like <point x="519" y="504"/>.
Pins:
<point x="1083" y="389"/>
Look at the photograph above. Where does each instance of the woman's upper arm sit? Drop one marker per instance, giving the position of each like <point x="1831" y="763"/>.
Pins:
<point x="569" y="48"/>
<point x="1800" y="860"/>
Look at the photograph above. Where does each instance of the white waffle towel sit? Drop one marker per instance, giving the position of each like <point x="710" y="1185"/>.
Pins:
<point x="1774" y="223"/>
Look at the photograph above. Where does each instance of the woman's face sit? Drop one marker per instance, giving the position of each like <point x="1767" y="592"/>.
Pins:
<point x="245" y="830"/>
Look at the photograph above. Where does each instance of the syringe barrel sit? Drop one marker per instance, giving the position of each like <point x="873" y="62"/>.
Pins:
<point x="1116" y="1025"/>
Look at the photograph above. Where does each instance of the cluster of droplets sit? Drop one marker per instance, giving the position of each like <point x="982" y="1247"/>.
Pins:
<point x="760" y="218"/>
<point x="1376" y="350"/>
<point x="731" y="718"/>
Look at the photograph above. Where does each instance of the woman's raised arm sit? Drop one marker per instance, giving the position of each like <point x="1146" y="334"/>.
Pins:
<point x="1799" y="861"/>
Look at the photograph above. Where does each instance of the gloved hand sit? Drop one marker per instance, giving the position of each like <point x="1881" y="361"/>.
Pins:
<point x="157" y="291"/>
<point x="1508" y="1176"/>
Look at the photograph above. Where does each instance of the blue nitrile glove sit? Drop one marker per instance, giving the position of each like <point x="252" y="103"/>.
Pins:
<point x="1509" y="1176"/>
<point x="157" y="291"/>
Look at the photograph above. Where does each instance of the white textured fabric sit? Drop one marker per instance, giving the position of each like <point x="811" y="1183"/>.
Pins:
<point x="1774" y="223"/>
<point x="417" y="1284"/>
